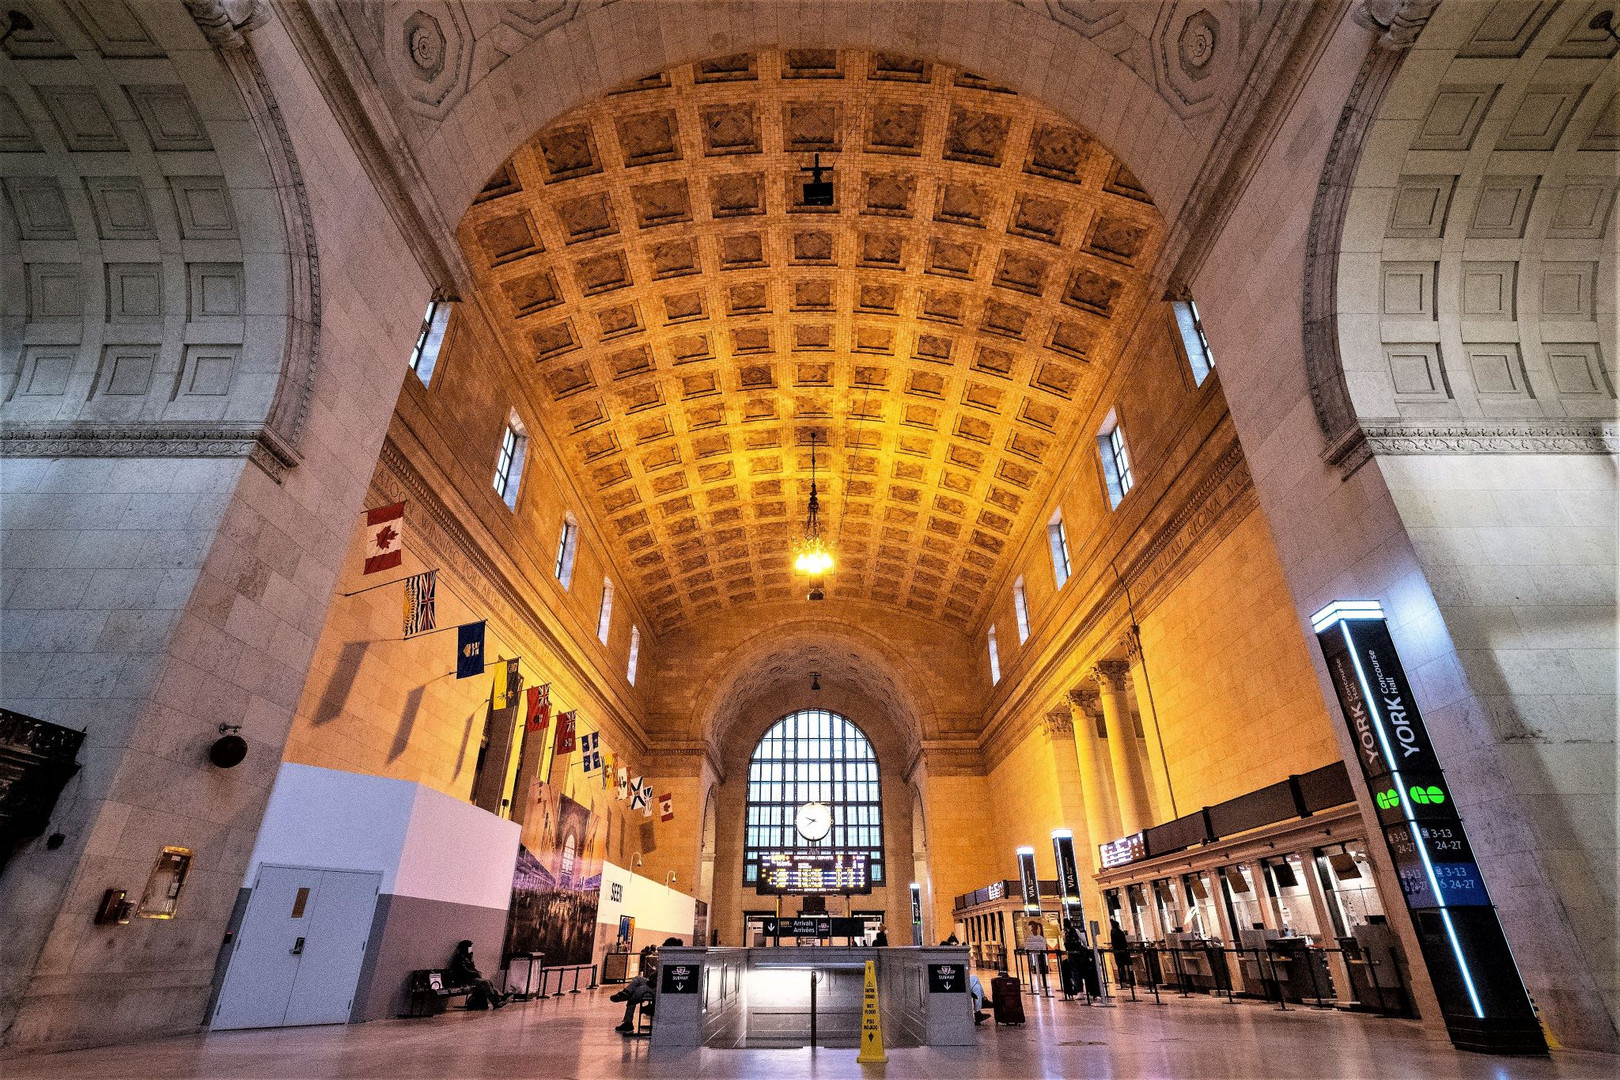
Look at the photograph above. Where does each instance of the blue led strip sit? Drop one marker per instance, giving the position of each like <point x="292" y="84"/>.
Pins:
<point x="1406" y="807"/>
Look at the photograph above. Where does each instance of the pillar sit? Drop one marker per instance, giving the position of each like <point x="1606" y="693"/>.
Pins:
<point x="1102" y="815"/>
<point x="1135" y="810"/>
<point x="1158" y="767"/>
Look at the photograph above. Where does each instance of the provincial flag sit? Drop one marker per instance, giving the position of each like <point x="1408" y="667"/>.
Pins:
<point x="565" y="733"/>
<point x="621" y="784"/>
<point x="539" y="713"/>
<point x="590" y="751"/>
<point x="639" y="794"/>
<point x="607" y="768"/>
<point x="666" y="807"/>
<point x="470" y="649"/>
<point x="419" y="602"/>
<point x="385" y="537"/>
<point x="507" y="686"/>
<point x="646" y="800"/>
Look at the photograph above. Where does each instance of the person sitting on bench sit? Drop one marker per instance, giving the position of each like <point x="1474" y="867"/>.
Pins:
<point x="976" y="989"/>
<point x="638" y="991"/>
<point x="461" y="971"/>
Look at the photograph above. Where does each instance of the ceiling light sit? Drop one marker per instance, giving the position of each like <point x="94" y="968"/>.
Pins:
<point x="818" y="192"/>
<point x="811" y="555"/>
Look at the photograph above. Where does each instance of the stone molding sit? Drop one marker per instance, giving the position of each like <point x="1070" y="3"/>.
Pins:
<point x="1131" y="642"/>
<point x="200" y="440"/>
<point x="223" y="22"/>
<point x="1533" y="436"/>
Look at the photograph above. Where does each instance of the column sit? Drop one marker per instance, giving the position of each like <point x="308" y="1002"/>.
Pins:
<point x="1158" y="767"/>
<point x="1135" y="811"/>
<point x="1102" y="816"/>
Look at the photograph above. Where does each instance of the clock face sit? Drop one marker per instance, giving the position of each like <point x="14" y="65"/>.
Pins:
<point x="814" y="820"/>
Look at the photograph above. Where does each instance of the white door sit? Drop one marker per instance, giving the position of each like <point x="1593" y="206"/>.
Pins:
<point x="298" y="920"/>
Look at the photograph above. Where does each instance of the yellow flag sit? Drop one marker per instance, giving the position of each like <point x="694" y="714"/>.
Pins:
<point x="871" y="1022"/>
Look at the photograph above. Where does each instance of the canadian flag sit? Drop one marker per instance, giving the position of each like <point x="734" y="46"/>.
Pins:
<point x="666" y="807"/>
<point x="385" y="537"/>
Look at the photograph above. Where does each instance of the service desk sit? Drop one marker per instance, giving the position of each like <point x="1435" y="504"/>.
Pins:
<point x="806" y="995"/>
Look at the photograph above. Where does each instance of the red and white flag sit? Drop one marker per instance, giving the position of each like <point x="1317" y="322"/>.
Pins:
<point x="385" y="537"/>
<point x="666" y="807"/>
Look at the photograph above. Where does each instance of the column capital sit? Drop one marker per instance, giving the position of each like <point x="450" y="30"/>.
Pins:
<point x="1111" y="674"/>
<point x="1085" y="699"/>
<point x="1058" y="724"/>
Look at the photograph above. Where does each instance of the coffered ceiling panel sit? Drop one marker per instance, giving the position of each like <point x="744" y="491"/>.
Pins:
<point x="691" y="323"/>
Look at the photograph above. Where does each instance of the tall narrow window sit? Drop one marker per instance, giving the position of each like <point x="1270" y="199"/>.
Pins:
<point x="1116" y="460"/>
<point x="1021" y="609"/>
<point x="429" y="339"/>
<point x="813" y="756"/>
<point x="1193" y="340"/>
<point x="509" y="464"/>
<point x="995" y="658"/>
<point x="1059" y="540"/>
<point x="604" y="615"/>
<point x="567" y="546"/>
<point x="635" y="655"/>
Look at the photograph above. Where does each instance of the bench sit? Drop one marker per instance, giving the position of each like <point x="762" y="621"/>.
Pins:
<point x="428" y="993"/>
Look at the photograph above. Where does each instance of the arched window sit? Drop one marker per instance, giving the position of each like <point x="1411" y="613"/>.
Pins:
<point x="813" y="756"/>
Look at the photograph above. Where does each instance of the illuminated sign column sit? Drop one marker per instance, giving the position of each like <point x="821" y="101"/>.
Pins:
<point x="1481" y="996"/>
<point x="1027" y="882"/>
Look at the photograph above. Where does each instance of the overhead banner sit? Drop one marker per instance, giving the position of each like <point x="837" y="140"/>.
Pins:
<point x="1482" y="998"/>
<point x="1068" y="869"/>
<point x="1027" y="882"/>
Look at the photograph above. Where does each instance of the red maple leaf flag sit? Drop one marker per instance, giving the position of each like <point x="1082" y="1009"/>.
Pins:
<point x="666" y="807"/>
<point x="385" y="537"/>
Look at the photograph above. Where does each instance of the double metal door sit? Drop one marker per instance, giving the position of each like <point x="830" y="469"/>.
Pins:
<point x="299" y="950"/>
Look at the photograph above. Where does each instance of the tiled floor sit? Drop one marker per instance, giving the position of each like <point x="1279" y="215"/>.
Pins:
<point x="573" y="1037"/>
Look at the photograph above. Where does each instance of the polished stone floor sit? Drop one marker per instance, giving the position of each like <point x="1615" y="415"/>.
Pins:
<point x="572" y="1037"/>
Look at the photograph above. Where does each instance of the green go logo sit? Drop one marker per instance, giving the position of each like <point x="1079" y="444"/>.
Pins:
<point x="1388" y="800"/>
<point x="1427" y="796"/>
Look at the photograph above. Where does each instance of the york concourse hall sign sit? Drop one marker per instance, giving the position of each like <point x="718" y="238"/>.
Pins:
<point x="1482" y="998"/>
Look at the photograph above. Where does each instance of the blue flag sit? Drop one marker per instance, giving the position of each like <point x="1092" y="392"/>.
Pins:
<point x="470" y="649"/>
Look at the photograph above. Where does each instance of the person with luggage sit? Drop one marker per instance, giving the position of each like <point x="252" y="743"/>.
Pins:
<point x="976" y="989"/>
<point x="1035" y="946"/>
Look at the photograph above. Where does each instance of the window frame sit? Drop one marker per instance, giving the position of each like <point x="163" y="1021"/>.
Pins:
<point x="995" y="656"/>
<point x="509" y="461"/>
<point x="1057" y="542"/>
<point x="1194" y="342"/>
<point x="1119" y="476"/>
<point x="793" y="763"/>
<point x="567" y="550"/>
<point x="430" y="337"/>
<point x="1021" y="608"/>
<point x="635" y="655"/>
<point x="604" y="611"/>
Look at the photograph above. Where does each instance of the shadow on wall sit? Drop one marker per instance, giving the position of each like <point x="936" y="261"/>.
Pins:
<point x="402" y="737"/>
<point x="336" y="694"/>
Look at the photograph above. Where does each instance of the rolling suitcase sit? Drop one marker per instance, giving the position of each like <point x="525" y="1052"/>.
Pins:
<point x="1006" y="1000"/>
<point x="1071" y="974"/>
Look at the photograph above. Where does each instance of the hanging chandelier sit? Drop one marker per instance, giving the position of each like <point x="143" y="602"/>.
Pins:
<point x="811" y="555"/>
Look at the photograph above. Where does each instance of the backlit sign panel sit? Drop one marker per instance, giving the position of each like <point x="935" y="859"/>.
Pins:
<point x="1482" y="998"/>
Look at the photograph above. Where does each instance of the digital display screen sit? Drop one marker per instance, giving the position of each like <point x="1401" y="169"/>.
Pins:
<point x="814" y="872"/>
<point x="1125" y="850"/>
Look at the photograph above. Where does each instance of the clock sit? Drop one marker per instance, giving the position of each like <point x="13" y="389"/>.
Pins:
<point x="814" y="820"/>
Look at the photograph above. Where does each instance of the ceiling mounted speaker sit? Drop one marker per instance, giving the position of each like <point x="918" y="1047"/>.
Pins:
<point x="228" y="751"/>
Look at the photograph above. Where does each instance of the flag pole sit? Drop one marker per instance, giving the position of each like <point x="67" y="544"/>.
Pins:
<point x="382" y="584"/>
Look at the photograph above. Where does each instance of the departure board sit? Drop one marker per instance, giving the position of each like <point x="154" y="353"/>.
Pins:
<point x="814" y="872"/>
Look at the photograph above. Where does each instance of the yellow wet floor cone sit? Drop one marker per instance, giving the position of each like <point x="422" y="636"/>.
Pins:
<point x="871" y="1021"/>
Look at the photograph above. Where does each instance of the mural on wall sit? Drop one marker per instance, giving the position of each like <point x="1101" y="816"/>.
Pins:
<point x="559" y="872"/>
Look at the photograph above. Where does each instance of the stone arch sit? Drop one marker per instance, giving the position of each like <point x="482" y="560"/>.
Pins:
<point x="163" y="295"/>
<point x="851" y="655"/>
<point x="1452" y="304"/>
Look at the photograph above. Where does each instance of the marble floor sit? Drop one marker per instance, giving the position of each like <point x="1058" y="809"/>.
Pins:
<point x="573" y="1036"/>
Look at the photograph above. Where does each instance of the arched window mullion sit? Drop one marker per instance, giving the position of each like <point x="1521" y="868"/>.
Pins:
<point x="813" y="754"/>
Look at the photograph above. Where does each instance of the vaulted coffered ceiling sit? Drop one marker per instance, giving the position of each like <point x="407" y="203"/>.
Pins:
<point x="941" y="329"/>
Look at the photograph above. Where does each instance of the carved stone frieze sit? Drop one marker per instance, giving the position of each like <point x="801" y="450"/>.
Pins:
<point x="186" y="440"/>
<point x="1493" y="437"/>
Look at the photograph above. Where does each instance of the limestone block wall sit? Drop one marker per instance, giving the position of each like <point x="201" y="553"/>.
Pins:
<point x="224" y="636"/>
<point x="1232" y="687"/>
<point x="1520" y="553"/>
<point x="1341" y="536"/>
<point x="961" y="815"/>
